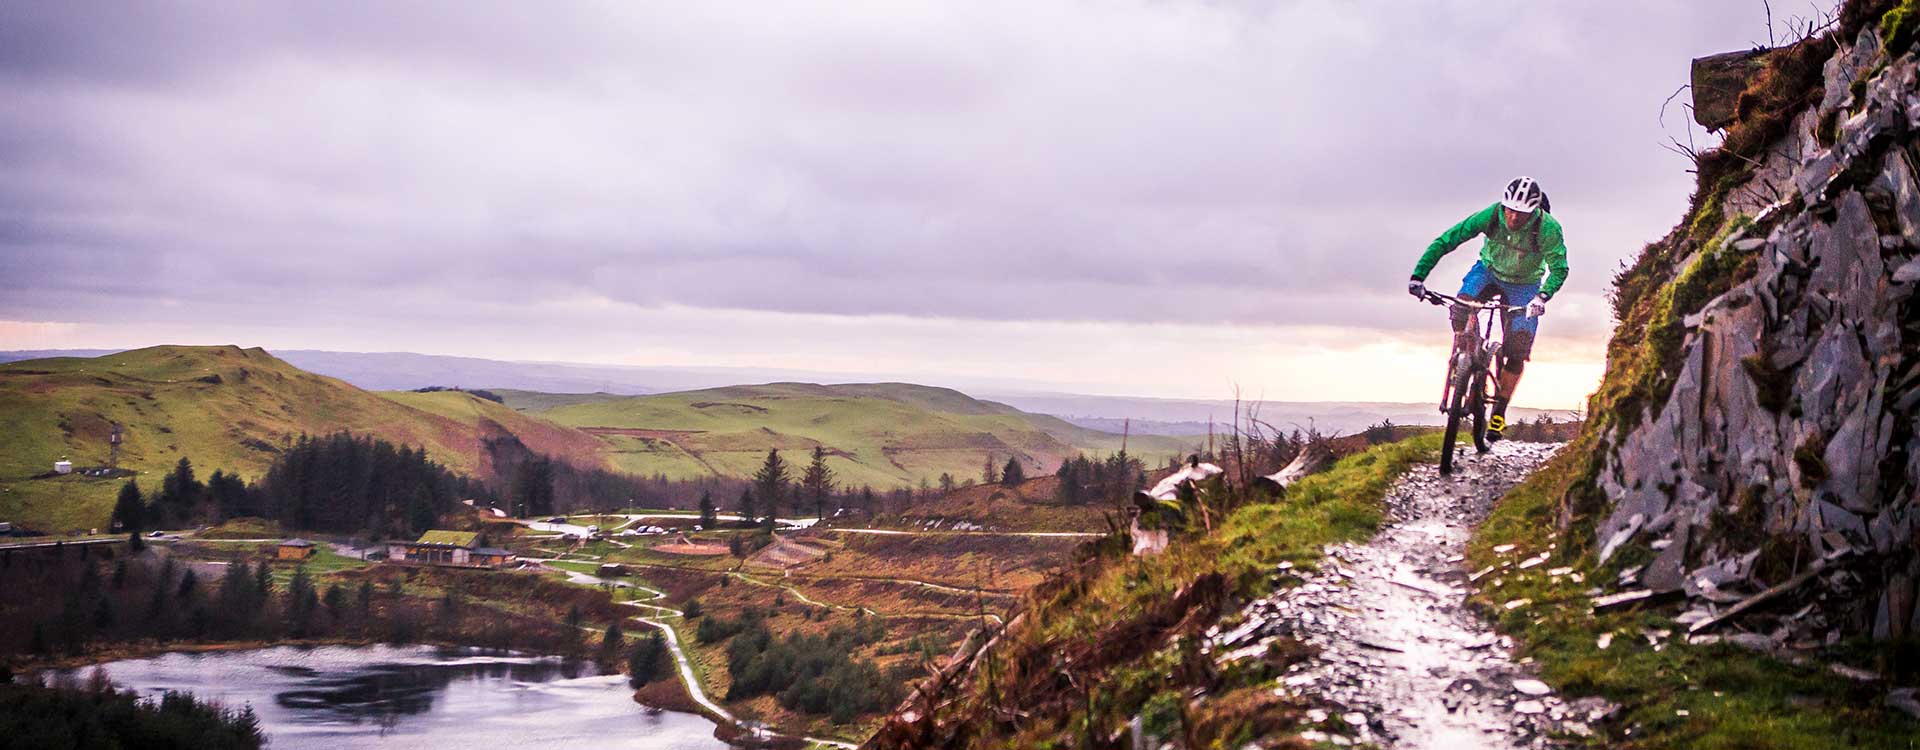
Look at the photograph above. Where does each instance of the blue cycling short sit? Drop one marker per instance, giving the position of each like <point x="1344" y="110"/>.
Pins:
<point x="1480" y="284"/>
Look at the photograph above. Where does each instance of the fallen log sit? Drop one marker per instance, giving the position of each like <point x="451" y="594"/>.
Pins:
<point x="1314" y="457"/>
<point x="1160" y="506"/>
<point x="1761" y="598"/>
<point x="1169" y="487"/>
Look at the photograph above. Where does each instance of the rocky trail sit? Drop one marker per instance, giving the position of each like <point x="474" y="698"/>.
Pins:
<point x="1402" y="662"/>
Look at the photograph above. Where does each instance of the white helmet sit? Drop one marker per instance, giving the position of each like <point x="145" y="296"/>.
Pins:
<point x="1523" y="195"/>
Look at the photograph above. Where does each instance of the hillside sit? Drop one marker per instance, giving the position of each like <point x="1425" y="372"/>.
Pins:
<point x="1756" y="423"/>
<point x="486" y="417"/>
<point x="230" y="408"/>
<point x="223" y="408"/>
<point x="883" y="434"/>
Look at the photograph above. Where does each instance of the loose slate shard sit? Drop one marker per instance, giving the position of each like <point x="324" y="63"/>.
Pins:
<point x="1854" y="673"/>
<point x="1627" y="599"/>
<point x="1905" y="700"/>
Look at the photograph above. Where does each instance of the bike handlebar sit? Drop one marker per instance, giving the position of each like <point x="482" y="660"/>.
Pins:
<point x="1438" y="299"/>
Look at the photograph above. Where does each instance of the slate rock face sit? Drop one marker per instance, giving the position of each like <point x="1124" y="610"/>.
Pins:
<point x="1792" y="432"/>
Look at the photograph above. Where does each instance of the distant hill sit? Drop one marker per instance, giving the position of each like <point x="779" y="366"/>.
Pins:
<point x="542" y="385"/>
<point x="884" y="434"/>
<point x="1161" y="416"/>
<point x="19" y="354"/>
<point x="223" y="408"/>
<point x="405" y="371"/>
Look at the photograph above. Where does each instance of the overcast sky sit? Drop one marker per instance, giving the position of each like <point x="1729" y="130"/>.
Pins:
<point x="1144" y="198"/>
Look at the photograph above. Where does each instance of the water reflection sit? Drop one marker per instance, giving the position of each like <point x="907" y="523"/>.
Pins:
<point x="383" y="692"/>
<point x="386" y="696"/>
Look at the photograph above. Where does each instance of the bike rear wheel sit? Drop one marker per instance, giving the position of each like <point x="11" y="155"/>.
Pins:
<point x="1456" y="409"/>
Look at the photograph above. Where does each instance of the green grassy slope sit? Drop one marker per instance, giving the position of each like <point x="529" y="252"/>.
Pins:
<point x="488" y="418"/>
<point x="520" y="400"/>
<point x="222" y="407"/>
<point x="884" y="434"/>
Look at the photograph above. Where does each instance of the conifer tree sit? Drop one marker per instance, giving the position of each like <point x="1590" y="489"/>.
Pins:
<point x="645" y="664"/>
<point x="708" y="513"/>
<point x="130" y="510"/>
<point x="301" y="602"/>
<point x="770" y="483"/>
<point x="1014" y="473"/>
<point x="335" y="601"/>
<point x="611" y="643"/>
<point x="262" y="584"/>
<point x="817" y="482"/>
<point x="747" y="505"/>
<point x="180" y="491"/>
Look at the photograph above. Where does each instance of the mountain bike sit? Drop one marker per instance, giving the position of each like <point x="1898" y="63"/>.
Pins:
<point x="1475" y="359"/>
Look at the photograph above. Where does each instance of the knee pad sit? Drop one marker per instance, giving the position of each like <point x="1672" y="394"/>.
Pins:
<point x="1516" y="351"/>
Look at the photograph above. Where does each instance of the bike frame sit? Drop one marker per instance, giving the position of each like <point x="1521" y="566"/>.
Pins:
<point x="1474" y="357"/>
<point x="1489" y="336"/>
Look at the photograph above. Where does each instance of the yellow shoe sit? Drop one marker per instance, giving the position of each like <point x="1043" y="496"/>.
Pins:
<point x="1497" y="428"/>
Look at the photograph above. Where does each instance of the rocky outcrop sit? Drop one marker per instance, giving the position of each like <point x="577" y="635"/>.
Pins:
<point x="1717" y="81"/>
<point x="1787" y="444"/>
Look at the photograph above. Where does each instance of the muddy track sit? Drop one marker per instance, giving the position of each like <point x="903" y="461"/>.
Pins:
<point x="1402" y="662"/>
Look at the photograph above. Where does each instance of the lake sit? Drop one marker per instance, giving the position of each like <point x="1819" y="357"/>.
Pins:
<point x="396" y="696"/>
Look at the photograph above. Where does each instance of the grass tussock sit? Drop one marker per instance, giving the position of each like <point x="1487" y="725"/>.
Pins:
<point x="1900" y="25"/>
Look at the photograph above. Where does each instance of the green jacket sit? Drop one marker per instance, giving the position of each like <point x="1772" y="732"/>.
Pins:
<point x="1514" y="256"/>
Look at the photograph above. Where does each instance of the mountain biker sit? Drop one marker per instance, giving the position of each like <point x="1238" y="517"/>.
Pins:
<point x="1522" y="239"/>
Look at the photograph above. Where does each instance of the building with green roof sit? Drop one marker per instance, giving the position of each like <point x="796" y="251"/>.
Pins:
<point x="466" y="549"/>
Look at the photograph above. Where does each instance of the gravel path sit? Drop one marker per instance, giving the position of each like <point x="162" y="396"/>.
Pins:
<point x="1402" y="662"/>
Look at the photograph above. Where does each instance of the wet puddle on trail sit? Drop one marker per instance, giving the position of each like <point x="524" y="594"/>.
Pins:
<point x="1403" y="663"/>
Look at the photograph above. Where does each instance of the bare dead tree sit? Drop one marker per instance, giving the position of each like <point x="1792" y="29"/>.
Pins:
<point x="1673" y="144"/>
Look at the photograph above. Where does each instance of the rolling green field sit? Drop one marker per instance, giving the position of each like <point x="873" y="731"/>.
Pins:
<point x="222" y="407"/>
<point x="885" y="434"/>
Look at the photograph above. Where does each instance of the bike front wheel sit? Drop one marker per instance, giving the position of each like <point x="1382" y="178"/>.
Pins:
<point x="1456" y="410"/>
<point x="1477" y="406"/>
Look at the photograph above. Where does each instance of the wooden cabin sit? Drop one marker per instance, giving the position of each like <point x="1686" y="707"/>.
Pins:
<point x="294" y="549"/>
